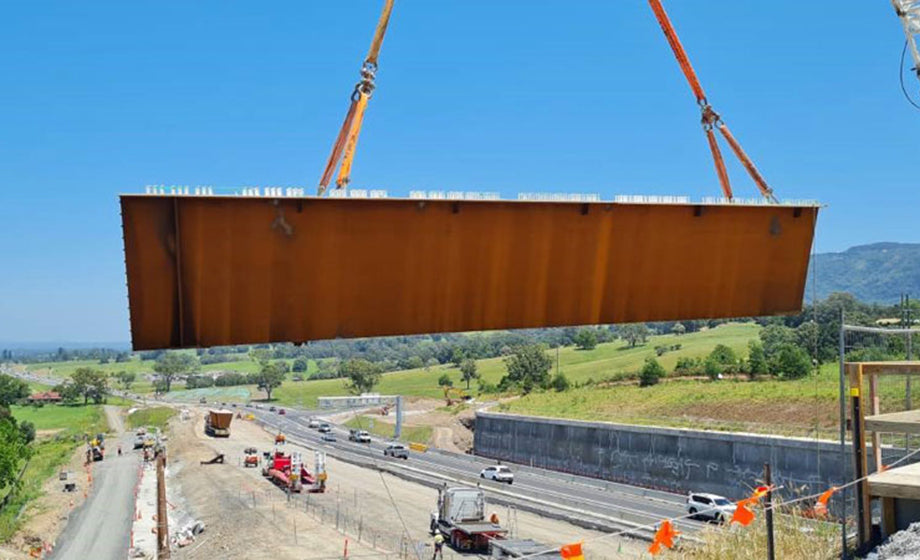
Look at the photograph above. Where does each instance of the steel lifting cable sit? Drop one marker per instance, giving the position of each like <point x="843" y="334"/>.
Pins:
<point x="710" y="119"/>
<point x="345" y="143"/>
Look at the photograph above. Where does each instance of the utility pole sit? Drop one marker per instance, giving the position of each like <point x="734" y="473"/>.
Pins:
<point x="905" y="314"/>
<point x="843" y="431"/>
<point x="162" y="526"/>
<point x="768" y="482"/>
<point x="905" y="321"/>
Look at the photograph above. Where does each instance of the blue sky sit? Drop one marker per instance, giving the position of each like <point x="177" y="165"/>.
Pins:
<point x="105" y="97"/>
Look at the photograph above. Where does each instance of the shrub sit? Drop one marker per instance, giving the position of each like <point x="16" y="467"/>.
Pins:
<point x="790" y="362"/>
<point x="723" y="355"/>
<point x="444" y="381"/>
<point x="28" y="431"/>
<point x="687" y="366"/>
<point x="712" y="368"/>
<point x="560" y="382"/>
<point x="651" y="372"/>
<point x="486" y="387"/>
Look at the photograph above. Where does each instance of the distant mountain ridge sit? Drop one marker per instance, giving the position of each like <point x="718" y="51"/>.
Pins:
<point x="874" y="273"/>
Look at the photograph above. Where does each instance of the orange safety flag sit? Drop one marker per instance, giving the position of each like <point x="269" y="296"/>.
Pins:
<point x="743" y="515"/>
<point x="664" y="537"/>
<point x="572" y="552"/>
<point x="821" y="506"/>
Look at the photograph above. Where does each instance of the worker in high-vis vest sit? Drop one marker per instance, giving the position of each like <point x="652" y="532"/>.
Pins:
<point x="438" y="547"/>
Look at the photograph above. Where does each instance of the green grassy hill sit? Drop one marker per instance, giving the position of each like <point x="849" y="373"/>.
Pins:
<point x="607" y="360"/>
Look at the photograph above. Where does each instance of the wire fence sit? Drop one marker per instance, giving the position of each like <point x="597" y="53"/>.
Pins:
<point x="895" y="393"/>
<point x="287" y="511"/>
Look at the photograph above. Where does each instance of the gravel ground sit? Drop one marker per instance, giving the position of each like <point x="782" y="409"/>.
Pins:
<point x="903" y="545"/>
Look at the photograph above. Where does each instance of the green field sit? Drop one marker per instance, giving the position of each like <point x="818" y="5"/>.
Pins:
<point x="78" y="419"/>
<point x="153" y="417"/>
<point x="418" y="434"/>
<point x="607" y="360"/>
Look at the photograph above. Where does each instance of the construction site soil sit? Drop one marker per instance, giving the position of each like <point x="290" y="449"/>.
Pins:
<point x="248" y="517"/>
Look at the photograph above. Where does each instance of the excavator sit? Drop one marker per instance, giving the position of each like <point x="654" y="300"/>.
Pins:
<point x="343" y="150"/>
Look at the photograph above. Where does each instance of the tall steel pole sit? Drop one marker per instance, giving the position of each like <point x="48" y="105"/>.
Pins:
<point x="843" y="434"/>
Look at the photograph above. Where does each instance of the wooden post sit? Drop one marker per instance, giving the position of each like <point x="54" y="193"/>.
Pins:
<point x="874" y="410"/>
<point x="162" y="525"/>
<point x="767" y="480"/>
<point x="889" y="520"/>
<point x="863" y="512"/>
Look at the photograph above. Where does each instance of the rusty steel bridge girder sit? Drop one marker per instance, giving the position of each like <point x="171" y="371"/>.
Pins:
<point x="208" y="271"/>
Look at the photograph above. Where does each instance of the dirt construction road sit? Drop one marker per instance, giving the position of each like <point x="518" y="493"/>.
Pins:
<point x="247" y="517"/>
<point x="101" y="527"/>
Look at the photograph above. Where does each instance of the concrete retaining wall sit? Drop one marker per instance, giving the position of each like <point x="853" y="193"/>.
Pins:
<point x="670" y="459"/>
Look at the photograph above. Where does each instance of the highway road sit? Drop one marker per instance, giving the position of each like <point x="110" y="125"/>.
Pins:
<point x="607" y="504"/>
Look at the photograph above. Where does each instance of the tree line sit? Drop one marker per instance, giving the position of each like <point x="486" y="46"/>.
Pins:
<point x="15" y="436"/>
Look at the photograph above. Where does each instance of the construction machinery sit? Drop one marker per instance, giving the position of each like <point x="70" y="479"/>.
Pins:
<point x="453" y="395"/>
<point x="95" y="450"/>
<point x="218" y="459"/>
<point x="252" y="457"/>
<point x="461" y="520"/>
<point x="217" y="423"/>
<point x="288" y="472"/>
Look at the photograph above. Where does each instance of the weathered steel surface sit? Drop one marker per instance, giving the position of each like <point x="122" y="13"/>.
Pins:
<point x="206" y="271"/>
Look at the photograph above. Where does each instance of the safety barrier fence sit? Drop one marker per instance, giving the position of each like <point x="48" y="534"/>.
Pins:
<point x="360" y="530"/>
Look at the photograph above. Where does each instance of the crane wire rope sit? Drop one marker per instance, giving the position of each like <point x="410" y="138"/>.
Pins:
<point x="901" y="77"/>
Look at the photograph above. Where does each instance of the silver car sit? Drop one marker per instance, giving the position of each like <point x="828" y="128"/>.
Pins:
<point x="396" y="451"/>
<point x="710" y="506"/>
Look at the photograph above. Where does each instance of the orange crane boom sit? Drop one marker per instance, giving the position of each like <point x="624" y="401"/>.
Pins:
<point x="710" y="119"/>
<point x="347" y="140"/>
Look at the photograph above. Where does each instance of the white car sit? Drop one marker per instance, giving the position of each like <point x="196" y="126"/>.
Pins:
<point x="710" y="506"/>
<point x="314" y="423"/>
<point x="498" y="473"/>
<point x="396" y="451"/>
